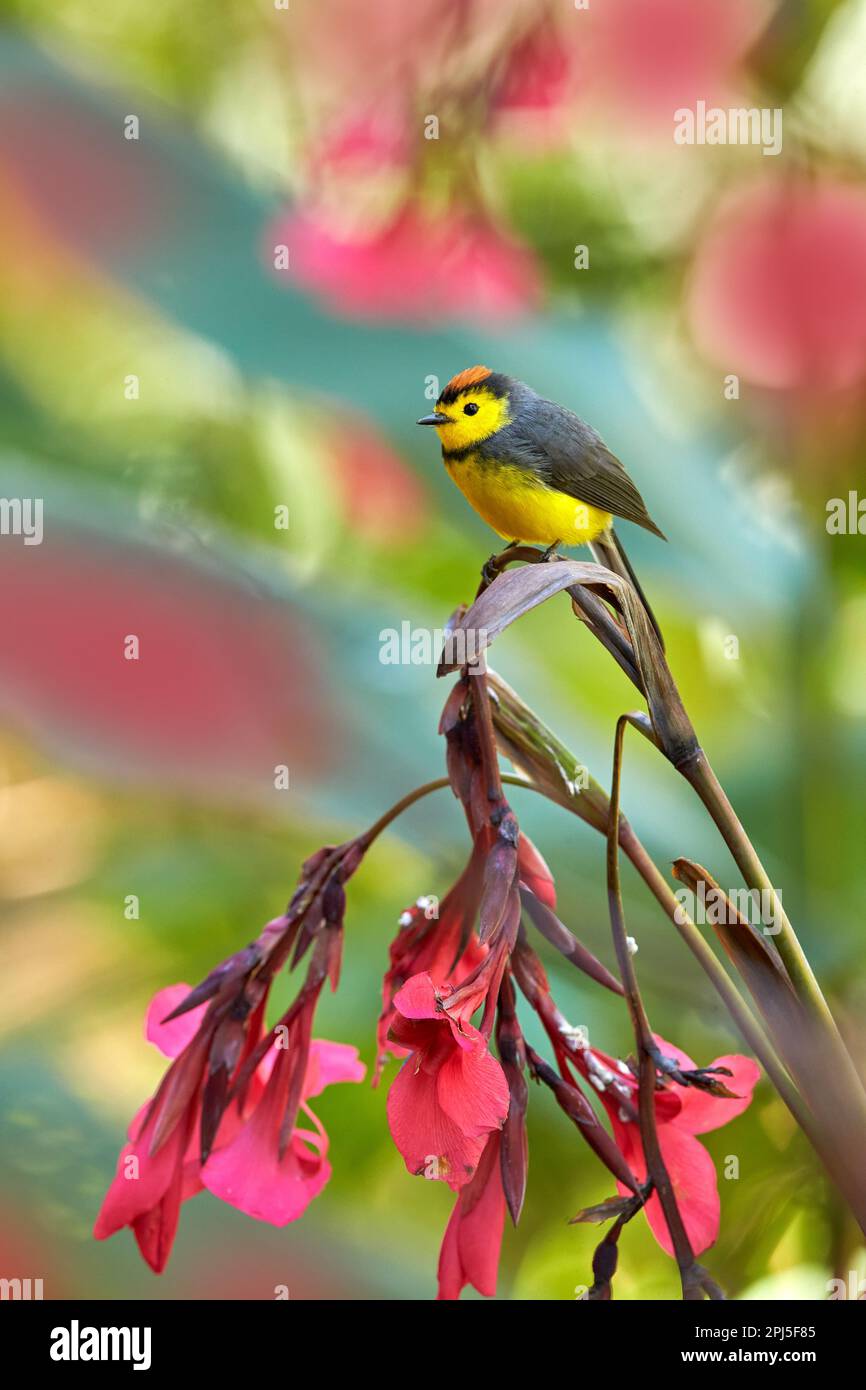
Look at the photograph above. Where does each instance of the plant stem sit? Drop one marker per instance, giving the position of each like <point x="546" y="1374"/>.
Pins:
<point x="724" y="986"/>
<point x="645" y="1045"/>
<point x="699" y="774"/>
<point x="375" y="830"/>
<point x="818" y="1130"/>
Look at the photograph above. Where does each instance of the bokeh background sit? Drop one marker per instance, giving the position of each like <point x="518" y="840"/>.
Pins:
<point x="260" y="386"/>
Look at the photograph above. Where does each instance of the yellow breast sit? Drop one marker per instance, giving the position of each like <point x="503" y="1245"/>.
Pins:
<point x="519" y="507"/>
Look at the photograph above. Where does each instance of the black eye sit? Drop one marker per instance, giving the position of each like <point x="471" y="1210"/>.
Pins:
<point x="470" y="409"/>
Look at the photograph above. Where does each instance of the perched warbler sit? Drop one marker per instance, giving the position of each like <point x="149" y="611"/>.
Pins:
<point x="535" y="471"/>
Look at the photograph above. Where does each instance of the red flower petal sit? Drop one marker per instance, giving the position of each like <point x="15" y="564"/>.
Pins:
<point x="473" y="1237"/>
<point x="139" y="1187"/>
<point x="702" y="1112"/>
<point x="472" y="1090"/>
<point x="249" y="1174"/>
<point x="693" y="1176"/>
<point x="419" y="268"/>
<point x="682" y="1059"/>
<point x="417" y="998"/>
<point x="171" y="1038"/>
<point x="534" y="872"/>
<point x="330" y="1062"/>
<point x="430" y="1141"/>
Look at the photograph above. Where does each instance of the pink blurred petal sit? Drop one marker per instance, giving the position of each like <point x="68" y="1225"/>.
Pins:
<point x="419" y="267"/>
<point x="365" y="140"/>
<point x="383" y="499"/>
<point x="537" y="73"/>
<point x="778" y="288"/>
<point x="651" y="57"/>
<point x="215" y="695"/>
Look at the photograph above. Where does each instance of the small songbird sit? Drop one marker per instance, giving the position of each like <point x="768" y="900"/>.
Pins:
<point x="535" y="471"/>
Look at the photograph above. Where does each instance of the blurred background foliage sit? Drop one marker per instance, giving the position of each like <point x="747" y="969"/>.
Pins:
<point x="258" y="388"/>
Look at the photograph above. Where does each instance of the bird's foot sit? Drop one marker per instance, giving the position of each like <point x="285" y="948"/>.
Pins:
<point x="489" y="570"/>
<point x="496" y="563"/>
<point x="550" y="552"/>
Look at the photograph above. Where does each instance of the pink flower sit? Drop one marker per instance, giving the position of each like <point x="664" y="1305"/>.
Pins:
<point x="681" y="1113"/>
<point x="535" y="94"/>
<point x="419" y="267"/>
<point x="651" y="57"/>
<point x="473" y="1237"/>
<point x="450" y="1093"/>
<point x="150" y="1186"/>
<point x="778" y="290"/>
<point x="536" y="73"/>
<point x="250" y="1172"/>
<point x="148" y="1189"/>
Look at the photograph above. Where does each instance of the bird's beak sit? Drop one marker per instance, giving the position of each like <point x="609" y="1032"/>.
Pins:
<point x="434" y="419"/>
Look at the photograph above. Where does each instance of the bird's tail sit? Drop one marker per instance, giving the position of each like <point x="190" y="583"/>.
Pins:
<point x="608" y="551"/>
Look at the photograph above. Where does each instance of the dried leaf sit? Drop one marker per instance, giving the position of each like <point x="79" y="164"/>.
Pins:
<point x="559" y="936"/>
<point x="229" y="970"/>
<point x="518" y="591"/>
<point x="603" y="1211"/>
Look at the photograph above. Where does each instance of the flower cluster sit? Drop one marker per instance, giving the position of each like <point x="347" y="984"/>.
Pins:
<point x="226" y="1114"/>
<point x="232" y="1113"/>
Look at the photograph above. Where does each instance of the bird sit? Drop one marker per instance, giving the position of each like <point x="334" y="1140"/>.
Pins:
<point x="536" y="472"/>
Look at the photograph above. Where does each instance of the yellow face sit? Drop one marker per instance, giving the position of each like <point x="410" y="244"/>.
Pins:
<point x="474" y="415"/>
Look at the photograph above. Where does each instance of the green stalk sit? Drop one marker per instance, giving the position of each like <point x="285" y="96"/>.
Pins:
<point x="737" y="1007"/>
<point x="646" y="1047"/>
<point x="699" y="774"/>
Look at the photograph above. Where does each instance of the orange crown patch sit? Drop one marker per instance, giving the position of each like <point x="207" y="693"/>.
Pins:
<point x="470" y="377"/>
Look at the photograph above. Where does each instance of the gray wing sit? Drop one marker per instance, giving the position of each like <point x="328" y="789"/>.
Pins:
<point x="569" y="456"/>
